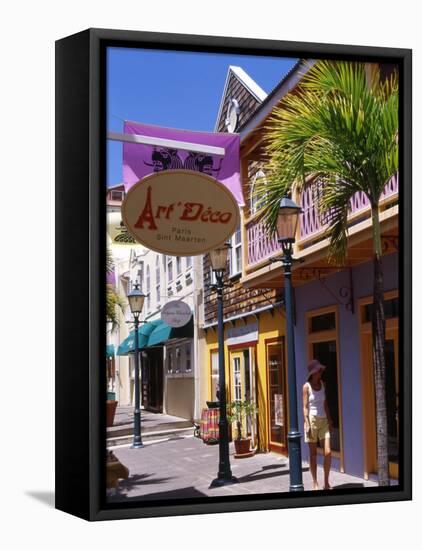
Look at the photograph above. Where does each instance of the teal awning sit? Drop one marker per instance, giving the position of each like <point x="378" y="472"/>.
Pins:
<point x="128" y="344"/>
<point x="163" y="332"/>
<point x="110" y="350"/>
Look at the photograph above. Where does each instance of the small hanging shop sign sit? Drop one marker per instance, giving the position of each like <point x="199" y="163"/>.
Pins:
<point x="176" y="313"/>
<point x="180" y="212"/>
<point x="117" y="231"/>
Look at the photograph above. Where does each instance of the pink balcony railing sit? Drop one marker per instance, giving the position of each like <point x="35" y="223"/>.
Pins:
<point x="261" y="246"/>
<point x="311" y="224"/>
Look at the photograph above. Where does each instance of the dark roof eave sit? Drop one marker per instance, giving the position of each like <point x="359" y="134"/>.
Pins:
<point x="288" y="82"/>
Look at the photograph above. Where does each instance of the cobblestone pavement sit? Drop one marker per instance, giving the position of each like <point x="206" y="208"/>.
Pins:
<point x="185" y="467"/>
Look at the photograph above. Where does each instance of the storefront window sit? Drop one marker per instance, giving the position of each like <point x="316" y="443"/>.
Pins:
<point x="170" y="361"/>
<point x="178" y="360"/>
<point x="188" y="358"/>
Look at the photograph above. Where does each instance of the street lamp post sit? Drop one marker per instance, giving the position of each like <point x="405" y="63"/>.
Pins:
<point x="136" y="301"/>
<point x="224" y="477"/>
<point x="287" y="221"/>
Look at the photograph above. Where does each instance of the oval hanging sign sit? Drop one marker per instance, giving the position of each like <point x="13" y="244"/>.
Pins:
<point x="180" y="212"/>
<point x="176" y="313"/>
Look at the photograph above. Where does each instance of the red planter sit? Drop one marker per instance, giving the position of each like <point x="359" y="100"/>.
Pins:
<point x="110" y="412"/>
<point x="242" y="446"/>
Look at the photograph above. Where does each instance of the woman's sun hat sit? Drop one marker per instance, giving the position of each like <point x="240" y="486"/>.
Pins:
<point x="314" y="366"/>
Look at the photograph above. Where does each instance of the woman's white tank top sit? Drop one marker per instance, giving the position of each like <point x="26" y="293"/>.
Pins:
<point x="316" y="401"/>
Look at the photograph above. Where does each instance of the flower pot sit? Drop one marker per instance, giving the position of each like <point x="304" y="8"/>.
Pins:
<point x="242" y="446"/>
<point x="110" y="412"/>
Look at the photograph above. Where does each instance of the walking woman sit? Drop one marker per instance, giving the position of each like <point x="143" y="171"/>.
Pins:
<point x="318" y="423"/>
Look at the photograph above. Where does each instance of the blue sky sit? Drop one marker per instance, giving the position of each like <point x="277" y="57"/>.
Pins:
<point x="175" y="89"/>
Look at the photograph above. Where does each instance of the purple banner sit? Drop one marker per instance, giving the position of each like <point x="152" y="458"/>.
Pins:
<point x="111" y="278"/>
<point x="141" y="160"/>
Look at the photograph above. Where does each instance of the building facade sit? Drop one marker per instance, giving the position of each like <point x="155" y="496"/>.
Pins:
<point x="332" y="309"/>
<point x="169" y="356"/>
<point x="253" y="318"/>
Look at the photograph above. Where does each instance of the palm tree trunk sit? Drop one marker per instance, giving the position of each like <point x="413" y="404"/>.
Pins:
<point x="378" y="351"/>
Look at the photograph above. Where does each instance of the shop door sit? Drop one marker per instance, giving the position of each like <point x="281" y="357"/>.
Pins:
<point x="238" y="386"/>
<point x="152" y="380"/>
<point x="277" y="396"/>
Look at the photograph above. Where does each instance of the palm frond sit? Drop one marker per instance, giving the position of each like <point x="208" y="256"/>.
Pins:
<point x="114" y="303"/>
<point x="338" y="127"/>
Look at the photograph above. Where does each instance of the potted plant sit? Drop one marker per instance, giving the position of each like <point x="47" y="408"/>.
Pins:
<point x="111" y="405"/>
<point x="238" y="412"/>
<point x="115" y="306"/>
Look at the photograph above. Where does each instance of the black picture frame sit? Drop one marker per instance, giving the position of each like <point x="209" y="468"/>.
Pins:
<point x="80" y="261"/>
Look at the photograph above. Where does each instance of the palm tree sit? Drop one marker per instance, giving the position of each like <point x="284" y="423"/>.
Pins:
<point x="113" y="299"/>
<point x="341" y="129"/>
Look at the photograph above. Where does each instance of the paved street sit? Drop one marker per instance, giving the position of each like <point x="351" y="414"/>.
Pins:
<point x="150" y="421"/>
<point x="185" y="466"/>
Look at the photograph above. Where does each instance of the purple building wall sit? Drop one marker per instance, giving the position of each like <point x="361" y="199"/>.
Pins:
<point x="314" y="296"/>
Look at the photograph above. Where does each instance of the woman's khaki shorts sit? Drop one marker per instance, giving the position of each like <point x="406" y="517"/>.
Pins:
<point x="319" y="429"/>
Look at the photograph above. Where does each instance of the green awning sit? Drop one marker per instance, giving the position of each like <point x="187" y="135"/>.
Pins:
<point x="163" y="332"/>
<point x="128" y="344"/>
<point x="110" y="350"/>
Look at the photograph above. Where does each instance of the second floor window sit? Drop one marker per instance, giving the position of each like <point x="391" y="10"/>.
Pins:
<point x="255" y="202"/>
<point x="188" y="262"/>
<point x="235" y="256"/>
<point x="157" y="279"/>
<point x="169" y="269"/>
<point x="117" y="195"/>
<point x="178" y="265"/>
<point x="148" y="288"/>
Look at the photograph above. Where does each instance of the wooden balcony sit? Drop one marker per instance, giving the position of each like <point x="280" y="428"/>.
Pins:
<point x="260" y="246"/>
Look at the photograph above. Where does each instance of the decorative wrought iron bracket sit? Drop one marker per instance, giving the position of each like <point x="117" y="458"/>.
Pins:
<point x="214" y="287"/>
<point x="344" y="296"/>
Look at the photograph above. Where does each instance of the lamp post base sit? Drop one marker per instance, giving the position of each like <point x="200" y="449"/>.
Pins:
<point x="137" y="445"/>
<point x="222" y="481"/>
<point x="296" y="488"/>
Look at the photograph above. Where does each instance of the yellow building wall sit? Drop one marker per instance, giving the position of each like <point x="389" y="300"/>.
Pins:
<point x="203" y="372"/>
<point x="269" y="327"/>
